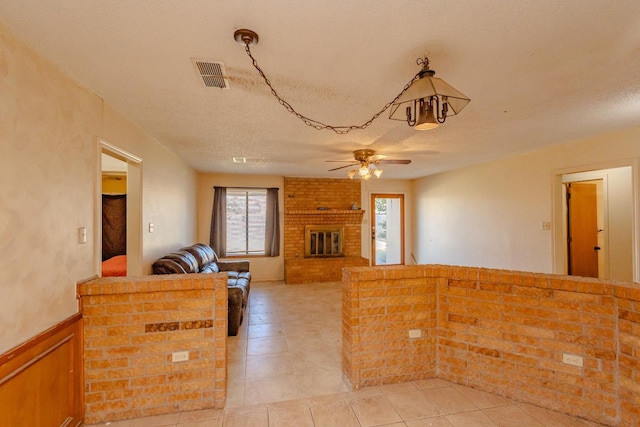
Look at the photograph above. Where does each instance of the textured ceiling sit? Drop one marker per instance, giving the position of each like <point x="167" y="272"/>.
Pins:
<point x="538" y="73"/>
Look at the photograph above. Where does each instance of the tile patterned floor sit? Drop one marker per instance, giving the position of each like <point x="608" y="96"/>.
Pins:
<point x="285" y="370"/>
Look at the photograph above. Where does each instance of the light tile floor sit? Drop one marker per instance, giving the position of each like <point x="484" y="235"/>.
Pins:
<point x="285" y="370"/>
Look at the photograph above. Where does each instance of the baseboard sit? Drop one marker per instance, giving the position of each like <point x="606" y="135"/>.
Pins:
<point x="41" y="379"/>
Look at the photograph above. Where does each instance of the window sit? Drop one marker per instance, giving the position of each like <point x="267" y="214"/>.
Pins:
<point x="246" y="219"/>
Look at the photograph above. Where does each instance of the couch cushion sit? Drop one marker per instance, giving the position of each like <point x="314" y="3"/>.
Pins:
<point x="239" y="275"/>
<point x="167" y="266"/>
<point x="187" y="261"/>
<point x="202" y="253"/>
<point x="212" y="267"/>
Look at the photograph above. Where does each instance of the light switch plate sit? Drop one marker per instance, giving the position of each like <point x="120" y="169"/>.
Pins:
<point x="82" y="234"/>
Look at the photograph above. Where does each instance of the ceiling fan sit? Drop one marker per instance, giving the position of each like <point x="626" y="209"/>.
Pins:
<point x="368" y="163"/>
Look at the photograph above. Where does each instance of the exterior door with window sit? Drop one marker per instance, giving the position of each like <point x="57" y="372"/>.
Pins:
<point x="387" y="229"/>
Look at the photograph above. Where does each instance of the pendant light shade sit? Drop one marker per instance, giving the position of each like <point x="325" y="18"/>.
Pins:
<point x="428" y="101"/>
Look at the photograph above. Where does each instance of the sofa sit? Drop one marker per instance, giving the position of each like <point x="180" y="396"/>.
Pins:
<point x="201" y="258"/>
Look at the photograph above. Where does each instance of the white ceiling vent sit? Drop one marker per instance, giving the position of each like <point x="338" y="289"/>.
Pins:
<point x="211" y="73"/>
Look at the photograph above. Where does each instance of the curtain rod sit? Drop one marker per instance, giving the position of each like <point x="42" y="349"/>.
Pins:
<point x="248" y="188"/>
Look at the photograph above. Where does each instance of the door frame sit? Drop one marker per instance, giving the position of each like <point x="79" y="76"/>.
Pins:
<point x="558" y="224"/>
<point x="372" y="202"/>
<point x="134" y="207"/>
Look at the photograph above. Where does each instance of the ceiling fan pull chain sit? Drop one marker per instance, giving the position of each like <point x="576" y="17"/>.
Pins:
<point x="340" y="130"/>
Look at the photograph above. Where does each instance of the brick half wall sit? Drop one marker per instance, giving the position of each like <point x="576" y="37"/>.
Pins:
<point x="133" y="325"/>
<point x="500" y="331"/>
<point x="380" y="306"/>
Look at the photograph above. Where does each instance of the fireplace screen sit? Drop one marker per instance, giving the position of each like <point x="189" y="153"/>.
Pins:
<point x="323" y="240"/>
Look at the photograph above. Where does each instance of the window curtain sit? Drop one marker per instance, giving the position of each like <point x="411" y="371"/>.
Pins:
<point x="272" y="226"/>
<point x="218" y="234"/>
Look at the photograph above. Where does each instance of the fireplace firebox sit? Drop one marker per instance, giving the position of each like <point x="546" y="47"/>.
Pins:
<point x="323" y="241"/>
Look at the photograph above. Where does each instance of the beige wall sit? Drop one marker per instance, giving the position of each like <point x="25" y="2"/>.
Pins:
<point x="168" y="189"/>
<point x="490" y="215"/>
<point x="262" y="268"/>
<point x="49" y="127"/>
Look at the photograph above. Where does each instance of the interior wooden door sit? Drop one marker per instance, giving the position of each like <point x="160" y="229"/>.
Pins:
<point x="582" y="229"/>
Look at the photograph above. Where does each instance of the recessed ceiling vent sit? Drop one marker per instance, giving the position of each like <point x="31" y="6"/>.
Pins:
<point x="211" y="74"/>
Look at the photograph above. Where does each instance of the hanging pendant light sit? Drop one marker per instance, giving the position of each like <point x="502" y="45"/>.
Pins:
<point x="424" y="102"/>
<point x="429" y="100"/>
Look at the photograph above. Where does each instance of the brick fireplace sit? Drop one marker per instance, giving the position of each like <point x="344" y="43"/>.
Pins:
<point x="323" y="205"/>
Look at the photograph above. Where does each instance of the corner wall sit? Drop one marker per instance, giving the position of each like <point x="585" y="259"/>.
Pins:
<point x="49" y="126"/>
<point x="490" y="215"/>
<point x="505" y="332"/>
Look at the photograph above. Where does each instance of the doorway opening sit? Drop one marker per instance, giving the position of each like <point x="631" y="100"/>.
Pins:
<point x="594" y="224"/>
<point x="387" y="229"/>
<point x="114" y="216"/>
<point x="120" y="186"/>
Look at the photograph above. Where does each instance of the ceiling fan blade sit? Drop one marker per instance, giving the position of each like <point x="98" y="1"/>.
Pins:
<point x="340" y="161"/>
<point x="394" y="162"/>
<point x="342" y="167"/>
<point x="376" y="157"/>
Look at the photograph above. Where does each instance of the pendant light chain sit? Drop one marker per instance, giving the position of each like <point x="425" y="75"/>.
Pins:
<point x="340" y="130"/>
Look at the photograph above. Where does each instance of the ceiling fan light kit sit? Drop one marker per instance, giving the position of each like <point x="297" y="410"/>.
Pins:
<point x="424" y="103"/>
<point x="366" y="171"/>
<point x="368" y="164"/>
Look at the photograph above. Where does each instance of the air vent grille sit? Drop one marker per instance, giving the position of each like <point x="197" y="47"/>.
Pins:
<point x="211" y="73"/>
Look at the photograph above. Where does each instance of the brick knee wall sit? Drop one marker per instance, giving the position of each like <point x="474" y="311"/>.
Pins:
<point x="131" y="328"/>
<point x="629" y="353"/>
<point x="500" y="331"/>
<point x="380" y="306"/>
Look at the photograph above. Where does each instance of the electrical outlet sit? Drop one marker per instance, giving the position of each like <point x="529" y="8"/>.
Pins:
<point x="571" y="359"/>
<point x="415" y="333"/>
<point x="180" y="356"/>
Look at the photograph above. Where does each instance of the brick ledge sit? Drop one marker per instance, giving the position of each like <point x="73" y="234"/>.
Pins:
<point x="323" y="211"/>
